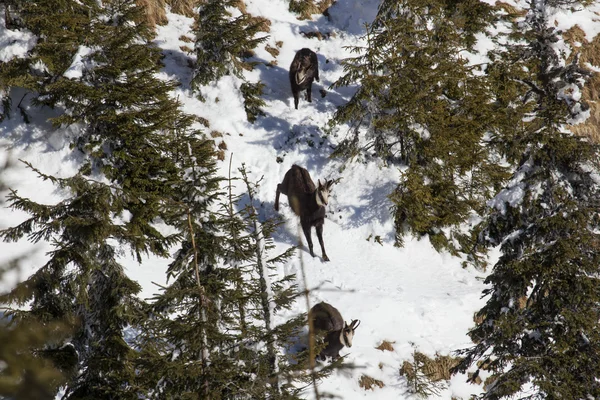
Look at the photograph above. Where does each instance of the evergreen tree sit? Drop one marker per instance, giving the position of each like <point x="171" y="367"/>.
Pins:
<point x="82" y="283"/>
<point x="223" y="43"/>
<point x="420" y="102"/>
<point x="304" y="8"/>
<point x="60" y="27"/>
<point x="252" y="101"/>
<point x="212" y="333"/>
<point x="176" y="359"/>
<point x="28" y="371"/>
<point x="129" y="137"/>
<point x="539" y="327"/>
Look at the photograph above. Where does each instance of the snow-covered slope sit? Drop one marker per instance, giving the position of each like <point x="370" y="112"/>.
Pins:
<point x="413" y="297"/>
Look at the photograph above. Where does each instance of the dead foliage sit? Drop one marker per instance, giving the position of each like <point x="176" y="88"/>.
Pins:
<point x="521" y="302"/>
<point x="512" y="11"/>
<point x="203" y="121"/>
<point x="435" y="369"/>
<point x="186" y="49"/>
<point x="323" y="6"/>
<point x="263" y="24"/>
<point x="474" y="379"/>
<point x="478" y="318"/>
<point x="182" y="7"/>
<point x="386" y="346"/>
<point x="272" y="51"/>
<point x="155" y="11"/>
<point x="240" y="5"/>
<point x="368" y="383"/>
<point x="589" y="53"/>
<point x="489" y="381"/>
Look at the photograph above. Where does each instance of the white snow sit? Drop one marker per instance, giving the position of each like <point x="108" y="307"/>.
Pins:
<point x="14" y="44"/>
<point x="79" y="63"/>
<point x="412" y="296"/>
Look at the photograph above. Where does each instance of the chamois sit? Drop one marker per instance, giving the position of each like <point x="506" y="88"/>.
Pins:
<point x="327" y="320"/>
<point x="303" y="71"/>
<point x="307" y="201"/>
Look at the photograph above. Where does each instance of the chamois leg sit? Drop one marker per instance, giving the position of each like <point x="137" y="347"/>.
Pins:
<point x="306" y="228"/>
<point x="319" y="229"/>
<point x="309" y="93"/>
<point x="296" y="98"/>
<point x="277" y="197"/>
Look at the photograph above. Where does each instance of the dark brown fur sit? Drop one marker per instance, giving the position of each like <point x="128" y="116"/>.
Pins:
<point x="303" y="71"/>
<point x="302" y="196"/>
<point x="326" y="319"/>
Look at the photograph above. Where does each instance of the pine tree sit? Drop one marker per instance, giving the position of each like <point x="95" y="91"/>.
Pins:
<point x="420" y="103"/>
<point x="211" y="334"/>
<point x="81" y="284"/>
<point x="60" y="27"/>
<point x="128" y="135"/>
<point x="223" y="42"/>
<point x="28" y="370"/>
<point x="539" y="327"/>
<point x="252" y="101"/>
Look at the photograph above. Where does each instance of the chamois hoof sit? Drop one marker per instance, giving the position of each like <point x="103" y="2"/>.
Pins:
<point x="325" y="258"/>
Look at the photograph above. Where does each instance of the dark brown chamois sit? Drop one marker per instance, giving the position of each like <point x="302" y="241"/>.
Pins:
<point x="328" y="321"/>
<point x="303" y="71"/>
<point x="307" y="201"/>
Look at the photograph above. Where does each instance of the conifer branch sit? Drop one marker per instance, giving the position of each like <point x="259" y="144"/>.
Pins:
<point x="311" y="328"/>
<point x="203" y="304"/>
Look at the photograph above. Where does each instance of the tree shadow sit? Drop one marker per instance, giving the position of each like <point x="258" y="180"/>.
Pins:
<point x="375" y="206"/>
<point x="28" y="124"/>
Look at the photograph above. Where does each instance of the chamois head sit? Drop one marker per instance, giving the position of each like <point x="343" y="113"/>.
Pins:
<point x="323" y="192"/>
<point x="303" y="71"/>
<point x="305" y="64"/>
<point x="347" y="333"/>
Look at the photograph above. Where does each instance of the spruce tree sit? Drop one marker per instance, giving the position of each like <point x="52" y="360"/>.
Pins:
<point x="184" y="321"/>
<point x="82" y="283"/>
<point x="223" y="44"/>
<point x="420" y="103"/>
<point x="127" y="129"/>
<point x="539" y="327"/>
<point x="212" y="333"/>
<point x="29" y="371"/>
<point x="59" y="27"/>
